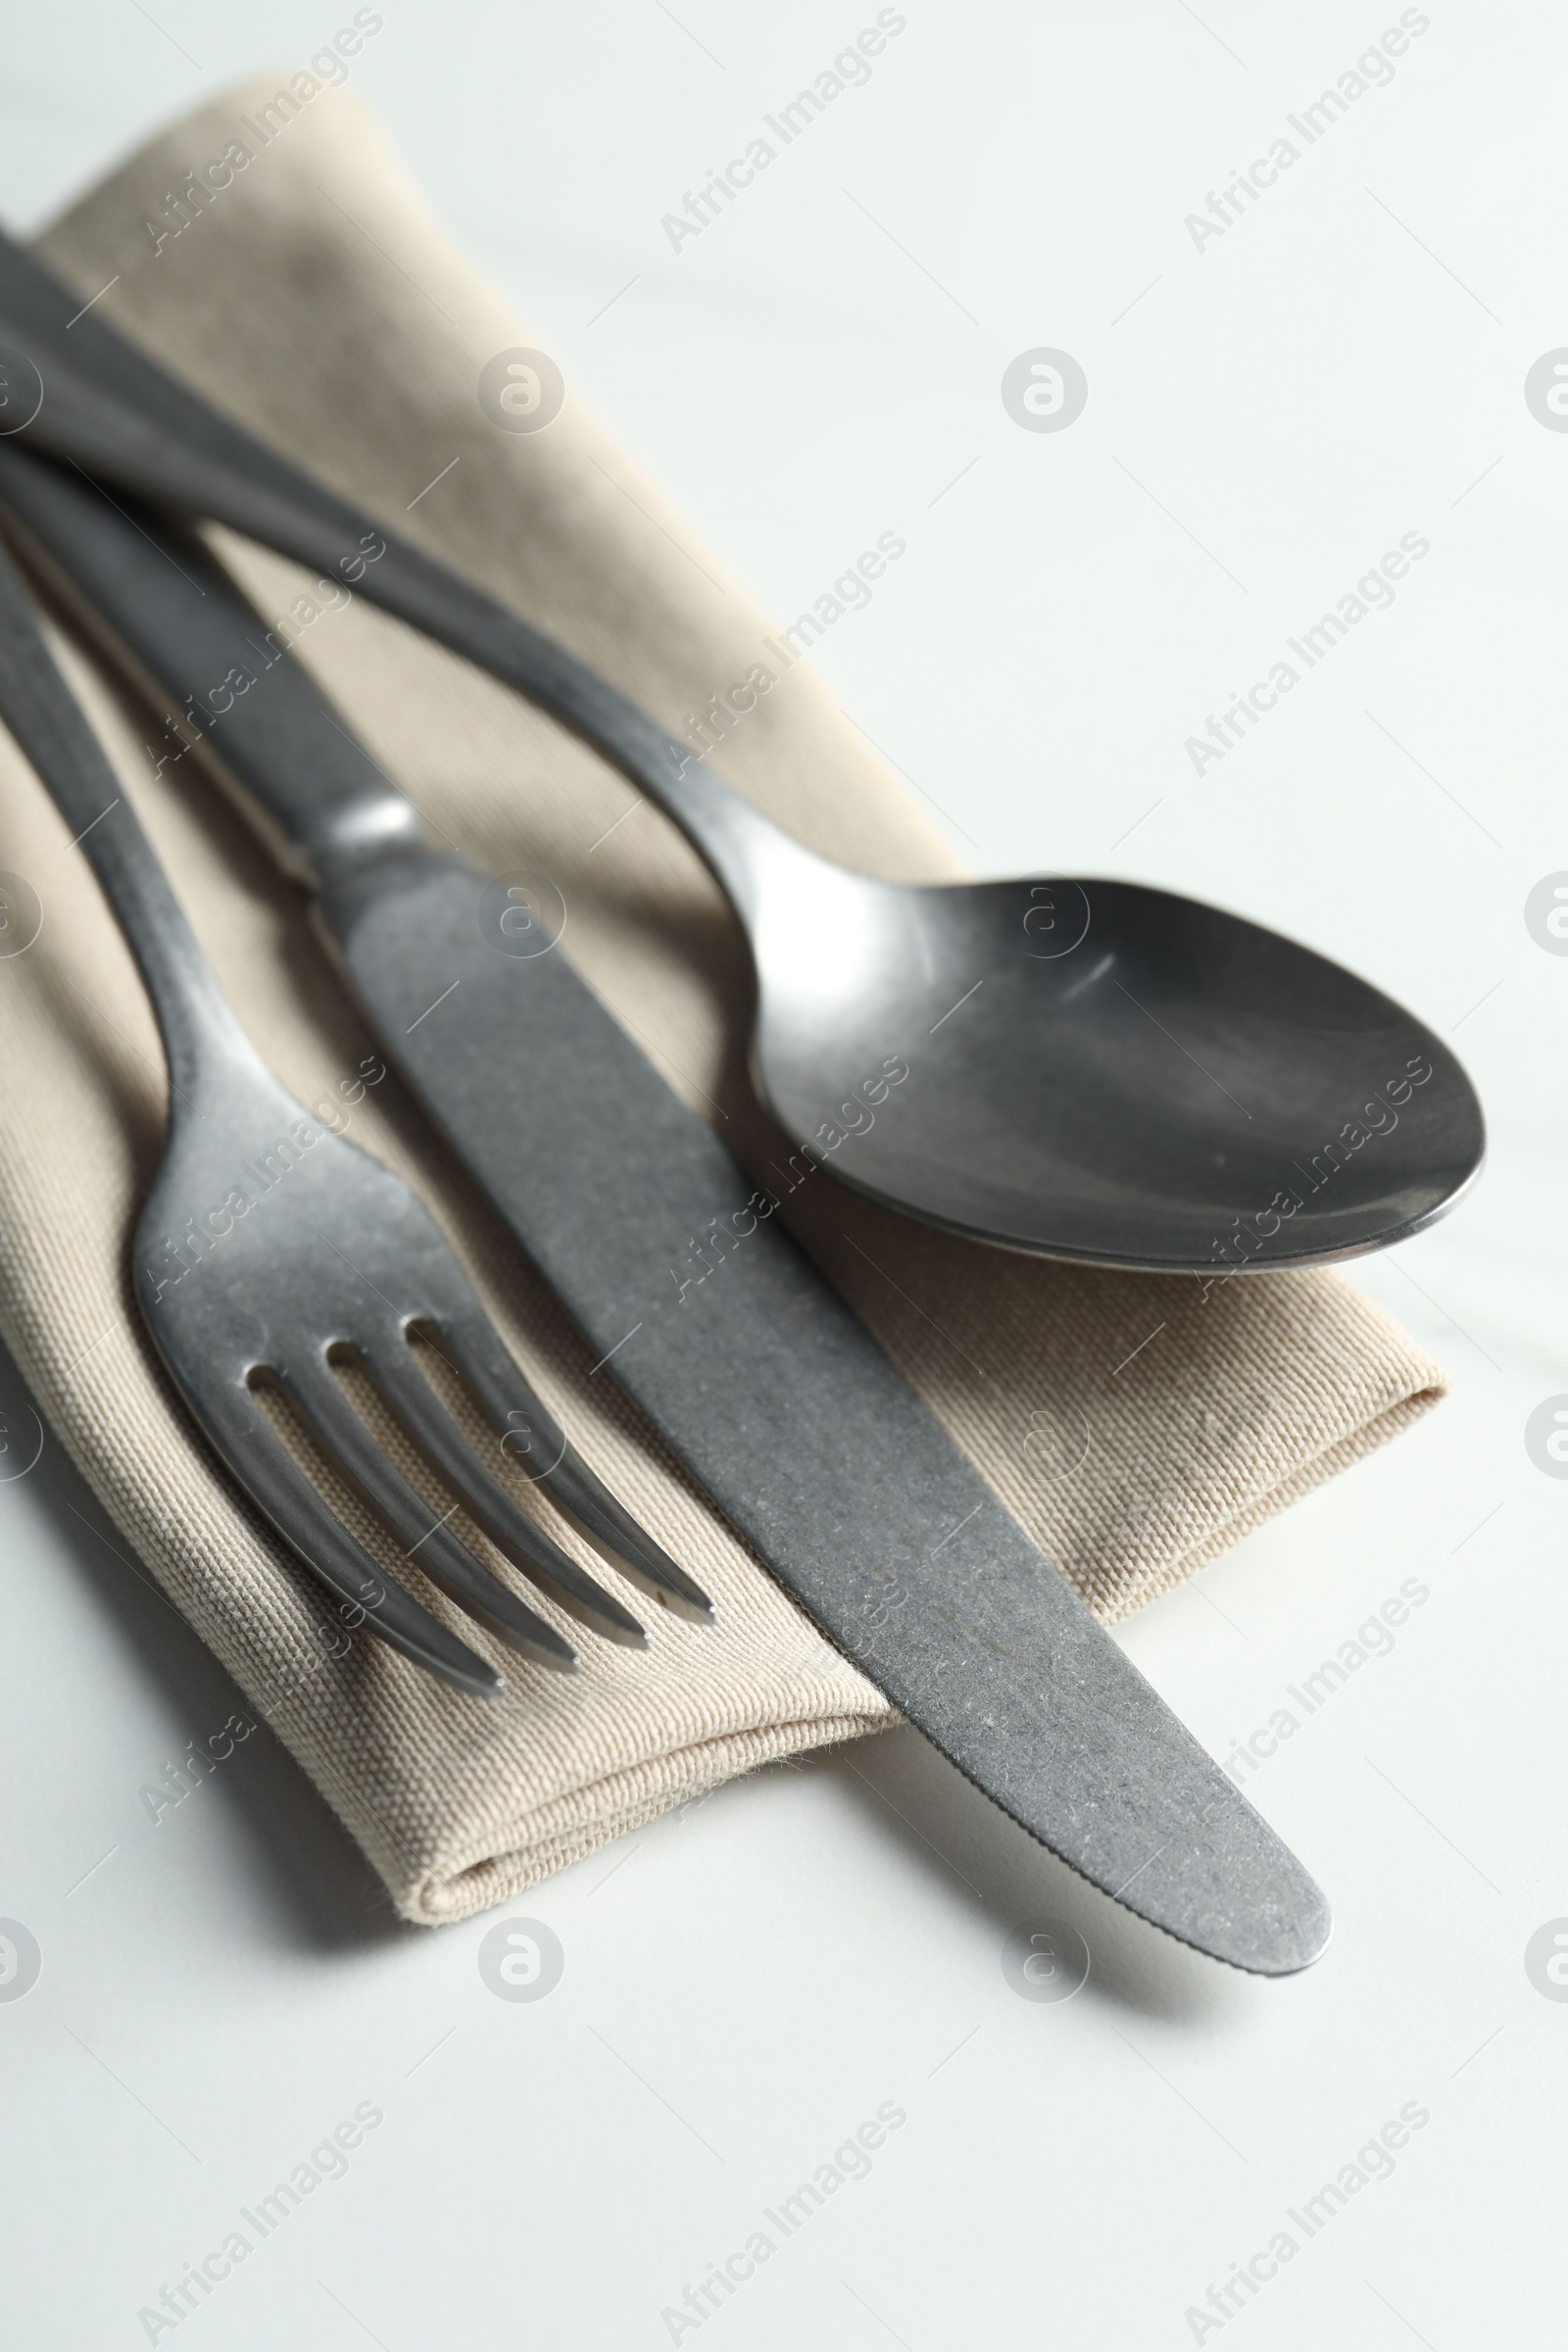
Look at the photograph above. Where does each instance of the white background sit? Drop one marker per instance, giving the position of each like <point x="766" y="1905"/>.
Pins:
<point x="745" y="1985"/>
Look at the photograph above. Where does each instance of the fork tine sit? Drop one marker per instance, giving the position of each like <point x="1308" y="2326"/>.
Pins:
<point x="311" y="1527"/>
<point x="428" y="1421"/>
<point x="442" y="1555"/>
<point x="506" y="1400"/>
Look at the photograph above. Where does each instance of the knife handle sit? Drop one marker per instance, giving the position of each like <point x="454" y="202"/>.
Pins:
<point x="171" y="618"/>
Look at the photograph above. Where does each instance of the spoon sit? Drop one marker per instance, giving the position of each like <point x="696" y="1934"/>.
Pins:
<point x="1090" y="1070"/>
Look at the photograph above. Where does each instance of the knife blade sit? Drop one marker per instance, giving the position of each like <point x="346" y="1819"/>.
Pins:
<point x="755" y="1370"/>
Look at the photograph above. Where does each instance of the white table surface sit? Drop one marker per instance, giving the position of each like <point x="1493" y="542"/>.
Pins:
<point x="744" y="1986"/>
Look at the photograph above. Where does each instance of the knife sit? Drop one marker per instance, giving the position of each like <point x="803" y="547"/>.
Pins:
<point x="755" y="1370"/>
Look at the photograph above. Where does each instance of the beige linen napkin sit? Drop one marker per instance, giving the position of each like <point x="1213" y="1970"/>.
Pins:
<point x="313" y="299"/>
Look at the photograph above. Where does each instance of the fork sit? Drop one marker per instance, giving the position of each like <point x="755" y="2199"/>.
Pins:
<point x="270" y="1249"/>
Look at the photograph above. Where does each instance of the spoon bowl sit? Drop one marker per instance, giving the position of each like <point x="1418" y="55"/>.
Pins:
<point x="1101" y="1071"/>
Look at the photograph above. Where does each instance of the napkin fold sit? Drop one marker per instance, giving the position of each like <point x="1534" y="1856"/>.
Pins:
<point x="1135" y="1424"/>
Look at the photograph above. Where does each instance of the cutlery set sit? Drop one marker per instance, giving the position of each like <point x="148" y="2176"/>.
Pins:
<point x="1090" y="1070"/>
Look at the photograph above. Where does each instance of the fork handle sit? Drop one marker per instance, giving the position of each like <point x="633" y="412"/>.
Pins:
<point x="49" y="725"/>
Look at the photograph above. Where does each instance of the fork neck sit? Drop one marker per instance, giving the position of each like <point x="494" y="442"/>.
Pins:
<point x="199" y="1030"/>
<point x="201" y="1036"/>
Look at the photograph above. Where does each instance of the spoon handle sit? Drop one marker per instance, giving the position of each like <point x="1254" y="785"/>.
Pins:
<point x="105" y="406"/>
<point x="43" y="715"/>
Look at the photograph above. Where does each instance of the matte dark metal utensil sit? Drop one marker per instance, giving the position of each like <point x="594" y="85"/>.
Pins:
<point x="269" y="1246"/>
<point x="763" y="1383"/>
<point x="1097" y="1071"/>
